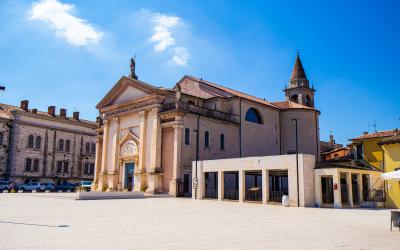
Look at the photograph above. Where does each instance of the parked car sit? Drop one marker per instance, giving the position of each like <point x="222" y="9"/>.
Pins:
<point x="32" y="186"/>
<point x="4" y="185"/>
<point x="49" y="186"/>
<point x="65" y="187"/>
<point x="85" y="185"/>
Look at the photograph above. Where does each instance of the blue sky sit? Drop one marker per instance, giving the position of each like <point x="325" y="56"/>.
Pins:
<point x="70" y="53"/>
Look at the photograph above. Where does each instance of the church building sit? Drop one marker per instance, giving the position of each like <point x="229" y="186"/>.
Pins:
<point x="151" y="135"/>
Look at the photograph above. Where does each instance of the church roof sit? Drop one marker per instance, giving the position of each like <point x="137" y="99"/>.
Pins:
<point x="298" y="70"/>
<point x="228" y="92"/>
<point x="290" y="105"/>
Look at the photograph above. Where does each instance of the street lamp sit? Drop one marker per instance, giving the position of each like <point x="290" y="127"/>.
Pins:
<point x="297" y="163"/>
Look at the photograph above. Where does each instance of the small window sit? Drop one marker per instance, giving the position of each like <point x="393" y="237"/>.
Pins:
<point x="28" y="164"/>
<point x="222" y="142"/>
<point x="30" y="141"/>
<point x="86" y="170"/>
<point x="87" y="148"/>
<point x="59" y="166"/>
<point x="1" y="138"/>
<point x="294" y="98"/>
<point x="67" y="146"/>
<point x="36" y="165"/>
<point x="65" y="166"/>
<point x="93" y="149"/>
<point x="206" y="139"/>
<point x="252" y="115"/>
<point x="61" y="145"/>
<point x="308" y="101"/>
<point x="38" y="142"/>
<point x="187" y="136"/>
<point x="191" y="103"/>
<point x="91" y="168"/>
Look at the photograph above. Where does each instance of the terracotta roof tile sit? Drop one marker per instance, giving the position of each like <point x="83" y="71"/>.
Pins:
<point x="290" y="105"/>
<point x="6" y="112"/>
<point x="385" y="133"/>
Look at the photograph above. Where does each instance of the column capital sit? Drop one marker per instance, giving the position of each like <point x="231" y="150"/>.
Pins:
<point x="98" y="140"/>
<point x="106" y="122"/>
<point x="143" y="114"/>
<point x="177" y="126"/>
<point x="154" y="111"/>
<point x="116" y="119"/>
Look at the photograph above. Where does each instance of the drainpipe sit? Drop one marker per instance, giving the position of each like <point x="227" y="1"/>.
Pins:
<point x="240" y="128"/>
<point x="197" y="156"/>
<point x="297" y="164"/>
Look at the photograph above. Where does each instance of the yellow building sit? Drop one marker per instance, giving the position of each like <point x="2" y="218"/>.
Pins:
<point x="381" y="150"/>
<point x="391" y="159"/>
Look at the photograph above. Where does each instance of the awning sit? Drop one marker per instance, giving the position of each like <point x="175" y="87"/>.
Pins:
<point x="395" y="175"/>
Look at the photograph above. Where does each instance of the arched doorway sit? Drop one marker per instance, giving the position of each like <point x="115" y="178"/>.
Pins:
<point x="128" y="162"/>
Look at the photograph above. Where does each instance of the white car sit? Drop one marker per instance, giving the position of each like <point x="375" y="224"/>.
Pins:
<point x="32" y="186"/>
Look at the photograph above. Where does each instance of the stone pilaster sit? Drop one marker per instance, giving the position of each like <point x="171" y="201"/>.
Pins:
<point x="97" y="164"/>
<point x="102" y="182"/>
<point x="140" y="170"/>
<point x="114" y="171"/>
<point x="177" y="156"/>
<point x="155" y="154"/>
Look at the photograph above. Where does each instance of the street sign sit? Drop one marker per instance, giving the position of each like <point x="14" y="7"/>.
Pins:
<point x="195" y="183"/>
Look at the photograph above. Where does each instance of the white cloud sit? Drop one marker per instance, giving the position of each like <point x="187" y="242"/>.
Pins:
<point x="162" y="35"/>
<point x="165" y="30"/>
<point x="181" y="56"/>
<point x="58" y="16"/>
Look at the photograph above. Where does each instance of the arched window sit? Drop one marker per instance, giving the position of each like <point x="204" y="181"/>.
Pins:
<point x="30" y="141"/>
<point x="38" y="142"/>
<point x="252" y="115"/>
<point x="86" y="170"/>
<point x="87" y="148"/>
<point x="1" y="138"/>
<point x="187" y="136"/>
<point x="61" y="145"/>
<point x="65" y="166"/>
<point x="28" y="164"/>
<point x="67" y="146"/>
<point x="36" y="165"/>
<point x="222" y="142"/>
<point x="206" y="139"/>
<point x="294" y="98"/>
<point x="308" y="101"/>
<point x="93" y="149"/>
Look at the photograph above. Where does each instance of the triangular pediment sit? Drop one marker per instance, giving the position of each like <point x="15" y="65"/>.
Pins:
<point x="127" y="89"/>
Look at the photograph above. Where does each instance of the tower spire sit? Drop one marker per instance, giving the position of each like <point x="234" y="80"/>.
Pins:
<point x="299" y="90"/>
<point x="298" y="72"/>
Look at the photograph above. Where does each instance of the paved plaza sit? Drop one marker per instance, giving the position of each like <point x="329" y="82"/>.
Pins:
<point x="57" y="221"/>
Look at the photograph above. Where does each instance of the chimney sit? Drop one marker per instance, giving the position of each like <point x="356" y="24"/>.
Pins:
<point x="76" y="115"/>
<point x="51" y="110"/>
<point x="34" y="111"/>
<point x="63" y="113"/>
<point x="24" y="105"/>
<point x="365" y="133"/>
<point x="331" y="140"/>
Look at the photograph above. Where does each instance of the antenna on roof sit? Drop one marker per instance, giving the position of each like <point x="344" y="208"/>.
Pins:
<point x="372" y="125"/>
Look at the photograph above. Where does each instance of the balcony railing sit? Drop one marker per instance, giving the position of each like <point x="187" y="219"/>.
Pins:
<point x="190" y="108"/>
<point x="374" y="195"/>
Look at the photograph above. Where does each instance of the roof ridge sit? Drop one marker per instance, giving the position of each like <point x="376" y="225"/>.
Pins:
<point x="230" y="89"/>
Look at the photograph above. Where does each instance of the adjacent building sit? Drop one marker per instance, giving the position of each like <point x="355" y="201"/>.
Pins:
<point x="391" y="162"/>
<point x="45" y="146"/>
<point x="151" y="135"/>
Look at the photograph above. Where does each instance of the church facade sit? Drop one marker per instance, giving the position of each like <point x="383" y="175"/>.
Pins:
<point x="150" y="135"/>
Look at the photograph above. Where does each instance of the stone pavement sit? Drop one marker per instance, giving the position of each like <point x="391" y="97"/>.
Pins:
<point x="57" y="221"/>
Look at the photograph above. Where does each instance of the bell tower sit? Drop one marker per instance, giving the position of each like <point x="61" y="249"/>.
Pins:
<point x="299" y="88"/>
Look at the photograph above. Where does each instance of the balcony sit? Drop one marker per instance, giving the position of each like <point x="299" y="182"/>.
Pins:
<point x="193" y="109"/>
